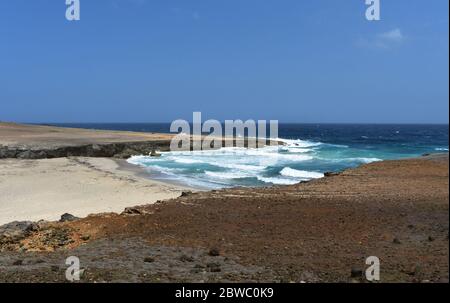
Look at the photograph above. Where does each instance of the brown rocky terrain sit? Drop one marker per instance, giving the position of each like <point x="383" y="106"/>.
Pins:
<point x="319" y="231"/>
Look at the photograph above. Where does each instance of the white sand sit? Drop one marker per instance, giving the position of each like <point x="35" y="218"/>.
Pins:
<point x="45" y="189"/>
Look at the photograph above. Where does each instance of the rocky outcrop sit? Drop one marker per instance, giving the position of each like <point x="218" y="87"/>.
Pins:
<point x="15" y="231"/>
<point x="117" y="150"/>
<point x="68" y="218"/>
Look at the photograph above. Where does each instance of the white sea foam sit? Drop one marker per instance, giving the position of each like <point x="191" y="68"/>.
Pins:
<point x="241" y="166"/>
<point x="296" y="150"/>
<point x="229" y="165"/>
<point x="303" y="174"/>
<point x="441" y="149"/>
<point x="187" y="161"/>
<point x="142" y="160"/>
<point x="227" y="175"/>
<point x="298" y="142"/>
<point x="365" y="160"/>
<point x="278" y="180"/>
<point x="166" y="170"/>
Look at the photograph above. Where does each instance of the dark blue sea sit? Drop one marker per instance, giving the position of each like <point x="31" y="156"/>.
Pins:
<point x="310" y="150"/>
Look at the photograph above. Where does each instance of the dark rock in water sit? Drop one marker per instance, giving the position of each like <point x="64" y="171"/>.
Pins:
<point x="214" y="252"/>
<point x="68" y="217"/>
<point x="396" y="241"/>
<point x="16" y="231"/>
<point x="356" y="273"/>
<point x="154" y="154"/>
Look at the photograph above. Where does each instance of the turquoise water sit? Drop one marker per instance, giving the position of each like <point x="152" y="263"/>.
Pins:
<point x="309" y="151"/>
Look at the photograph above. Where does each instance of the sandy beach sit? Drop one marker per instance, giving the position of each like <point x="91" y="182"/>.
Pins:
<point x="45" y="189"/>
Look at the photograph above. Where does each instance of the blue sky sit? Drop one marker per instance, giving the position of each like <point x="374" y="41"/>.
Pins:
<point x="292" y="60"/>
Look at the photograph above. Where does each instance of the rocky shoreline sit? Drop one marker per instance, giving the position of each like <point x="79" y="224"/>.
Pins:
<point x="20" y="141"/>
<point x="112" y="150"/>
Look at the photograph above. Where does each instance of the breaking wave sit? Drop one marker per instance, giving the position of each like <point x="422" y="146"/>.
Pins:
<point x="293" y="162"/>
<point x="303" y="174"/>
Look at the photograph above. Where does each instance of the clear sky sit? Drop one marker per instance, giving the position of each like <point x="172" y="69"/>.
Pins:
<point x="160" y="60"/>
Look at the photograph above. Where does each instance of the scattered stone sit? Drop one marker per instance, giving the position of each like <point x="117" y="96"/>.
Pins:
<point x="68" y="218"/>
<point x="16" y="231"/>
<point x="196" y="270"/>
<point x="54" y="268"/>
<point x="18" y="262"/>
<point x="186" y="193"/>
<point x="415" y="270"/>
<point x="149" y="260"/>
<point x="356" y="273"/>
<point x="199" y="266"/>
<point x="431" y="239"/>
<point x="214" y="252"/>
<point x="213" y="267"/>
<point x="330" y="174"/>
<point x="85" y="237"/>
<point x="396" y="241"/>
<point x="131" y="211"/>
<point x="185" y="258"/>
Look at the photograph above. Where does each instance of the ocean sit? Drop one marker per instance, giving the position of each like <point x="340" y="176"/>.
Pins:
<point x="310" y="150"/>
